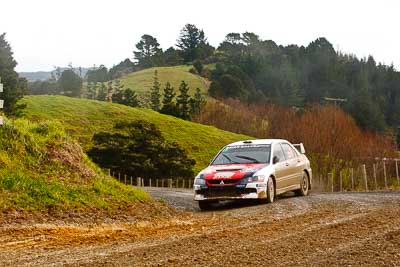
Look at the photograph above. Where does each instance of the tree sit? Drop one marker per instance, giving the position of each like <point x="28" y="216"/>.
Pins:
<point x="193" y="43"/>
<point x="99" y="74"/>
<point x="110" y="90"/>
<point x="125" y="97"/>
<point x="117" y="92"/>
<point x="70" y="83"/>
<point x="122" y="68"/>
<point x="102" y="94"/>
<point x="169" y="106"/>
<point x="183" y="101"/>
<point x="130" y="98"/>
<point x="197" y="102"/>
<point x="138" y="149"/>
<point x="155" y="93"/>
<point x="149" y="51"/>
<point x="14" y="86"/>
<point x="198" y="66"/>
<point x="171" y="57"/>
<point x="91" y="90"/>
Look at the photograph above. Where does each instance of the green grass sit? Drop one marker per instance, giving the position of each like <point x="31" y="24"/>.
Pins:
<point x="42" y="168"/>
<point x="82" y="118"/>
<point x="142" y="81"/>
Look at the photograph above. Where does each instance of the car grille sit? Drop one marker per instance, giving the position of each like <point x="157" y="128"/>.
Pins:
<point x="226" y="181"/>
<point x="225" y="191"/>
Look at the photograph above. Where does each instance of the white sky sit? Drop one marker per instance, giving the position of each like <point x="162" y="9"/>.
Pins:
<point x="47" y="33"/>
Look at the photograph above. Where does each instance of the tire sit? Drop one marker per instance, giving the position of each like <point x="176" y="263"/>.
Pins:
<point x="304" y="186"/>
<point x="270" y="191"/>
<point x="206" y="205"/>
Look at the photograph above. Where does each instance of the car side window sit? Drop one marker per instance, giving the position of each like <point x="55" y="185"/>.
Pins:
<point x="288" y="151"/>
<point x="278" y="152"/>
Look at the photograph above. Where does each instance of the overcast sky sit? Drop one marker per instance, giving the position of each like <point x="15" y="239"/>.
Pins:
<point x="47" y="33"/>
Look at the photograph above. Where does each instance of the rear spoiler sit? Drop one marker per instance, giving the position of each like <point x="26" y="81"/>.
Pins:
<point x="300" y="148"/>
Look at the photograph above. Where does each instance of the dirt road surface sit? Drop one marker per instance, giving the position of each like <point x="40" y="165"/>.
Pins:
<point x="339" y="229"/>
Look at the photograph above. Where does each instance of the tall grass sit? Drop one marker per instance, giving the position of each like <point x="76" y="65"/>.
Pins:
<point x="42" y="168"/>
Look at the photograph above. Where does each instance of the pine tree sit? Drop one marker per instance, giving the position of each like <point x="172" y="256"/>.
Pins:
<point x="155" y="93"/>
<point x="109" y="91"/>
<point x="183" y="101"/>
<point x="130" y="98"/>
<point x="168" y="101"/>
<point x="102" y="95"/>
<point x="91" y="90"/>
<point x="117" y="94"/>
<point x="196" y="102"/>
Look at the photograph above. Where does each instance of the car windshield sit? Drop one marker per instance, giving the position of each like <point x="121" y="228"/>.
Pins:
<point x="243" y="154"/>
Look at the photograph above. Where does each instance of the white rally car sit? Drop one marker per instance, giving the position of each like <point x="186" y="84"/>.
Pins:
<point x="254" y="169"/>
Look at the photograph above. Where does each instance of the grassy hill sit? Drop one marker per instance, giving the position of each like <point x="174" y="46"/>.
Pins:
<point x="82" y="118"/>
<point x="42" y="168"/>
<point x="142" y="81"/>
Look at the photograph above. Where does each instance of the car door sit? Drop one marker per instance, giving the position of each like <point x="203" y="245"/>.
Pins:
<point x="280" y="166"/>
<point x="293" y="164"/>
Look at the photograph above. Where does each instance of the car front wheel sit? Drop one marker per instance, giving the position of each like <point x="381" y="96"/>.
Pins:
<point x="304" y="186"/>
<point x="270" y="191"/>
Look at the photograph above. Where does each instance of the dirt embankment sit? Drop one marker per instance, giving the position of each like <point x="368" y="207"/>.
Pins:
<point x="349" y="229"/>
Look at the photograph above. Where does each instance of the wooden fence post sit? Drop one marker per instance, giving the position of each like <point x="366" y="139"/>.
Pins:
<point x="169" y="183"/>
<point x="365" y="177"/>
<point x="384" y="174"/>
<point x="119" y="176"/>
<point x="397" y="174"/>
<point x="124" y="178"/>
<point x="109" y="172"/>
<point x="330" y="178"/>
<point x="156" y="182"/>
<point x="150" y="182"/>
<point x="340" y="181"/>
<point x="352" y="179"/>
<point x="131" y="180"/>
<point x="142" y="182"/>
<point x="138" y="179"/>
<point x="375" y="181"/>
<point x="183" y="183"/>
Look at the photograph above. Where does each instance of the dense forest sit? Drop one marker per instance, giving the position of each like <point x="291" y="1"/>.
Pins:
<point x="253" y="70"/>
<point x="256" y="70"/>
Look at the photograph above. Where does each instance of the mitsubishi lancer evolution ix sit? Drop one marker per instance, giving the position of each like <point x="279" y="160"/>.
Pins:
<point x="254" y="169"/>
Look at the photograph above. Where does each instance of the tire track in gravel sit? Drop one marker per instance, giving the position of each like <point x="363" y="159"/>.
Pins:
<point x="319" y="230"/>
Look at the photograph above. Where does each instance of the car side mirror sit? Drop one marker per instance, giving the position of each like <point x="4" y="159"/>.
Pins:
<point x="275" y="160"/>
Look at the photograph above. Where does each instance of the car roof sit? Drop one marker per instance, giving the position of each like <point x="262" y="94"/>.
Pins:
<point x="257" y="142"/>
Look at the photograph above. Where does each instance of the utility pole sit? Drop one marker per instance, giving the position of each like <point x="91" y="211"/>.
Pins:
<point x="1" y="102"/>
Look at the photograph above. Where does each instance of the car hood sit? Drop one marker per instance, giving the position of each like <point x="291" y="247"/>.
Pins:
<point x="231" y="171"/>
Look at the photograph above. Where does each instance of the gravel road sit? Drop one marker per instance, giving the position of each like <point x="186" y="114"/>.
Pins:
<point x="338" y="229"/>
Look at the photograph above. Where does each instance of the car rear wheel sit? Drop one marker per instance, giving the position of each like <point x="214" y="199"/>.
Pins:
<point x="304" y="186"/>
<point x="206" y="205"/>
<point x="270" y="191"/>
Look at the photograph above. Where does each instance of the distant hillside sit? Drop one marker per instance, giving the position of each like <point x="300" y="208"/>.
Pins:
<point x="45" y="75"/>
<point x="82" y="118"/>
<point x="142" y="81"/>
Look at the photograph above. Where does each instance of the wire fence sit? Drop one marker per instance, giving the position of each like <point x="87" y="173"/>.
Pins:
<point x="377" y="175"/>
<point x="149" y="182"/>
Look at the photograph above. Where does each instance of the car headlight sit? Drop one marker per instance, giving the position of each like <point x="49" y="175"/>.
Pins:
<point x="200" y="180"/>
<point x="253" y="179"/>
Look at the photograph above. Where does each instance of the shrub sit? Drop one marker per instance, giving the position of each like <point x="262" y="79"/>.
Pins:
<point x="139" y="150"/>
